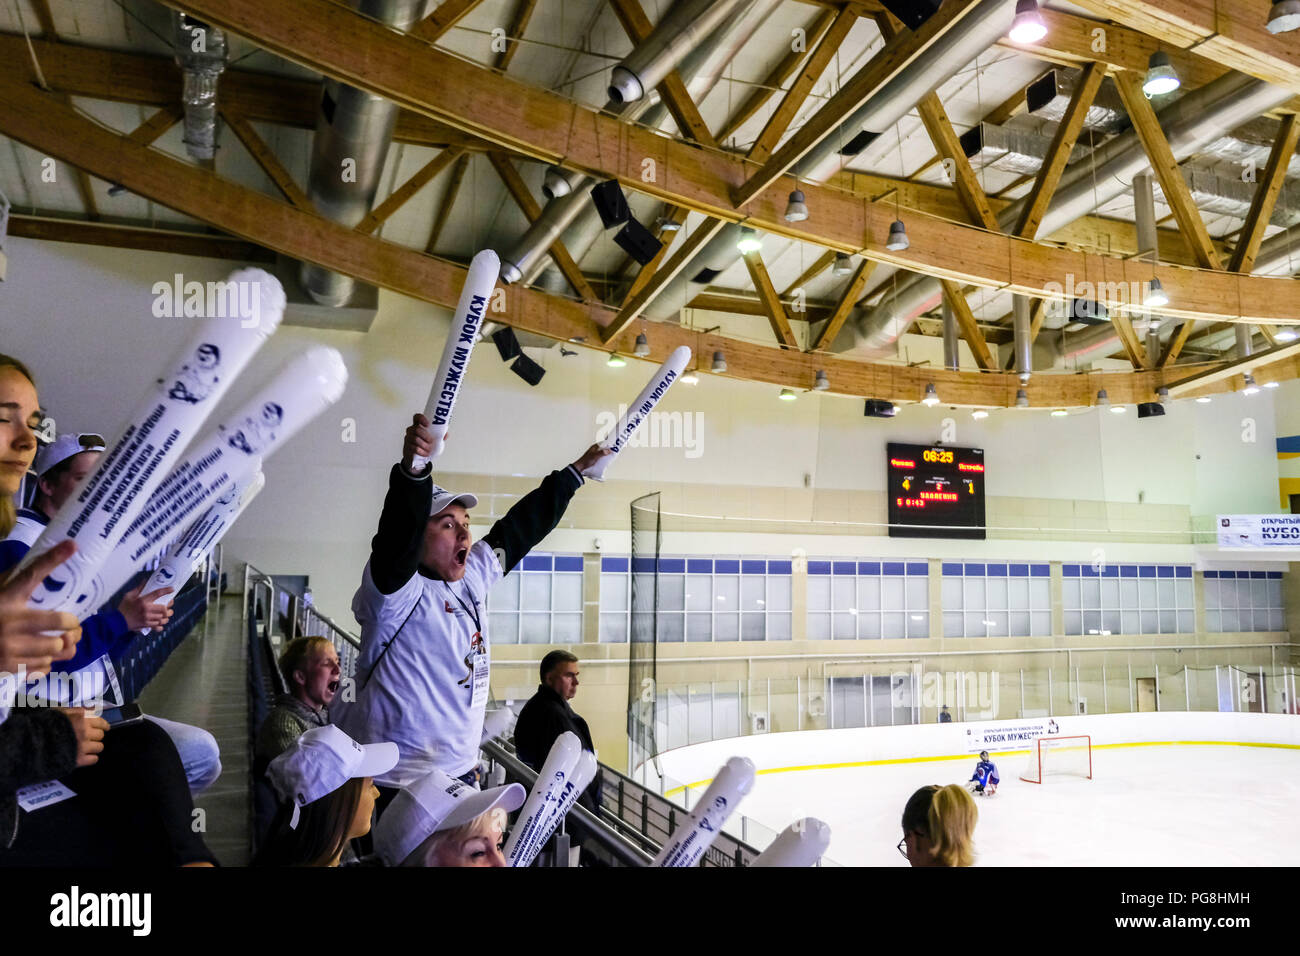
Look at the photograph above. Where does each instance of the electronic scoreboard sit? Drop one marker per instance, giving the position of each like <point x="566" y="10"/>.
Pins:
<point x="935" y="491"/>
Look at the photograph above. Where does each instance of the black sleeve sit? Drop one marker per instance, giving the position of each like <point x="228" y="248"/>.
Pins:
<point x="535" y="734"/>
<point x="533" y="517"/>
<point x="36" y="744"/>
<point x="395" y="548"/>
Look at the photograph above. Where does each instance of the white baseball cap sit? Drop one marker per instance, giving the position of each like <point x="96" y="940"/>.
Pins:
<point x="436" y="802"/>
<point x="64" y="447"/>
<point x="322" y="760"/>
<point x="442" y="499"/>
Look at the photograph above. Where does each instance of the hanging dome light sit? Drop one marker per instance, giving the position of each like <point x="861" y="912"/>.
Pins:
<point x="719" y="362"/>
<point x="615" y="360"/>
<point x="1284" y="17"/>
<point x="1272" y="384"/>
<point x="843" y="264"/>
<point x="979" y="414"/>
<point x="822" y="383"/>
<point x="1022" y="398"/>
<point x="1286" y="335"/>
<point x="796" y="210"/>
<point x="1103" y="400"/>
<point x="642" y="347"/>
<point x="748" y="241"/>
<point x="1059" y="413"/>
<point x="1251" y="388"/>
<point x="1028" y="27"/>
<point x="1161" y="75"/>
<point x="690" y="378"/>
<point x="931" y="396"/>
<point x="787" y="395"/>
<point x="1157" y="297"/>
<point x="1162" y="394"/>
<point x="1203" y="400"/>
<point x="898" y="240"/>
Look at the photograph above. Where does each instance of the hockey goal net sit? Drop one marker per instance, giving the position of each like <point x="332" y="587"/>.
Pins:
<point x="1059" y="757"/>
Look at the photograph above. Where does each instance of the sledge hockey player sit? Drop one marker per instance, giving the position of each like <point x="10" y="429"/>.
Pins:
<point x="984" y="782"/>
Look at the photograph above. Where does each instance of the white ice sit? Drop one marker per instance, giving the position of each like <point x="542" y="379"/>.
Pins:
<point x="1145" y="806"/>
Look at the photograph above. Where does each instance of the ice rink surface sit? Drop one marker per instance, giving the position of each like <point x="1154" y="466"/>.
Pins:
<point x="1145" y="806"/>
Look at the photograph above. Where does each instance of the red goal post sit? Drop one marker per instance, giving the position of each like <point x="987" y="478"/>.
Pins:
<point x="1058" y="756"/>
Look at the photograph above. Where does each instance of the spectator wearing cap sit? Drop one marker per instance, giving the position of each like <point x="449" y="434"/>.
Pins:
<point x="61" y="467"/>
<point x="325" y="782"/>
<point x="548" y="714"/>
<point x="440" y="820"/>
<point x="424" y="662"/>
<point x="310" y="666"/>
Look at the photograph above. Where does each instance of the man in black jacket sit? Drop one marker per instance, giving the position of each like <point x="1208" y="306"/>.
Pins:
<point x="548" y="714"/>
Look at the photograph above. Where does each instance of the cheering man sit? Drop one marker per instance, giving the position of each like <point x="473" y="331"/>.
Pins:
<point x="422" y="677"/>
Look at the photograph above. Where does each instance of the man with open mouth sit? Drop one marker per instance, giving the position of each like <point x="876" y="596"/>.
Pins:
<point x="422" y="675"/>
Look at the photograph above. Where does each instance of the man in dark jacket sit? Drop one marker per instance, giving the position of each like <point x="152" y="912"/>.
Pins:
<point x="548" y="714"/>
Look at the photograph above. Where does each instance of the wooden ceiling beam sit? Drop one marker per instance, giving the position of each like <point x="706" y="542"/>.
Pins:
<point x="532" y="210"/>
<point x="772" y="306"/>
<point x="894" y="57"/>
<point x="403" y="194"/>
<point x="647" y="271"/>
<point x="448" y="201"/>
<point x="515" y="33"/>
<point x="776" y="79"/>
<point x="170" y="241"/>
<point x="1058" y="153"/>
<point x="42" y="122"/>
<point x="446" y="16"/>
<point x="970" y="329"/>
<point x="1233" y="34"/>
<point x="820" y="265"/>
<point x="159" y="122"/>
<point x="779" y="122"/>
<point x="848" y="299"/>
<point x="1267" y="189"/>
<point x="265" y="158"/>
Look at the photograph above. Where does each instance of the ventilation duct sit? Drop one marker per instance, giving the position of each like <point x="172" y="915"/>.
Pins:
<point x="677" y="33"/>
<point x="201" y="54"/>
<point x="353" y="131"/>
<point x="1189" y="124"/>
<point x="1018" y="151"/>
<point x="1049" y="98"/>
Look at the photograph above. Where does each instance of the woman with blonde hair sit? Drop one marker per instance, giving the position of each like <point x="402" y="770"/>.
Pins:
<point x="19" y="415"/>
<point x="938" y="826"/>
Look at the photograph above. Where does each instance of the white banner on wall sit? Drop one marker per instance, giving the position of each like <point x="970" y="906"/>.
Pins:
<point x="1259" y="531"/>
<point x="1010" y="735"/>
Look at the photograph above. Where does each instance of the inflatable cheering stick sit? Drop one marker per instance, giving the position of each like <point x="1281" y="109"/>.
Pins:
<point x="800" y="844"/>
<point x="702" y="826"/>
<point x="545" y="795"/>
<point x="640" y="410"/>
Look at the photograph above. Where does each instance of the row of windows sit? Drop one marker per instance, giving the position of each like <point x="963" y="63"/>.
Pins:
<point x="749" y="599"/>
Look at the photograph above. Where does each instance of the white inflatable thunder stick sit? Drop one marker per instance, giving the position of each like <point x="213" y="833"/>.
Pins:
<point x="495" y="723"/>
<point x="190" y="549"/>
<point x="702" y="826"/>
<point x="300" y="390"/>
<point x="545" y="794"/>
<point x="640" y="410"/>
<point x="474" y="297"/>
<point x="104" y="505"/>
<point x="800" y="844"/>
<point x="584" y="771"/>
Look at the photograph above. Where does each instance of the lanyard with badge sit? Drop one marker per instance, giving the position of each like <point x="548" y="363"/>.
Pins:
<point x="476" y="661"/>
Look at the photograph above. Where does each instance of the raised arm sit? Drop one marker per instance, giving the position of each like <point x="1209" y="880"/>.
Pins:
<point x="396" y="546"/>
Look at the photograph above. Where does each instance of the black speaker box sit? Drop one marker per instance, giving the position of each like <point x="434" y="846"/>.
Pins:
<point x="527" y="369"/>
<point x="638" y="241"/>
<point x="610" y="203"/>
<point x="1150" y="409"/>
<point x="506" y="343"/>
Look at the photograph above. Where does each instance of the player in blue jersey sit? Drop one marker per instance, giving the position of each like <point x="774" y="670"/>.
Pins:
<point x="985" y="779"/>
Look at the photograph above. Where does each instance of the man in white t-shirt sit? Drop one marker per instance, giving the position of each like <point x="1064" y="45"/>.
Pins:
<point x="422" y="676"/>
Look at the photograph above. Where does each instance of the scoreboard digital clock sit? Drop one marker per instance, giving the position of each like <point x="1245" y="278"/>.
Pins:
<point x="935" y="491"/>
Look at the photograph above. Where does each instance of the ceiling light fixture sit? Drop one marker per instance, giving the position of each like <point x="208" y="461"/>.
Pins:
<point x="796" y="210"/>
<point x="642" y="347"/>
<point x="1286" y="335"/>
<point x="615" y="360"/>
<point x="1157" y="297"/>
<point x="1161" y="76"/>
<point x="1022" y="398"/>
<point x="821" y="383"/>
<point x="1272" y="384"/>
<point x="931" y="396"/>
<point x="690" y="378"/>
<point x="748" y="241"/>
<point x="1203" y="400"/>
<point x="844" y="265"/>
<point x="1284" y="17"/>
<point x="1251" y="388"/>
<point x="787" y="395"/>
<point x="898" y="240"/>
<point x="1028" y="27"/>
<point x="719" y="362"/>
<point x="1059" y="413"/>
<point x="979" y="414"/>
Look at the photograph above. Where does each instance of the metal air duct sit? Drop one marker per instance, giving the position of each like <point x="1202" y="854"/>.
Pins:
<point x="201" y="55"/>
<point x="353" y="131"/>
<point x="679" y="31"/>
